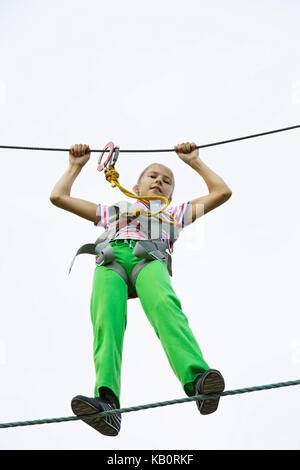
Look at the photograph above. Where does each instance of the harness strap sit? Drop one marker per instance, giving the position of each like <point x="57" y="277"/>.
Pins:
<point x="89" y="248"/>
<point x="136" y="270"/>
<point x="153" y="249"/>
<point x="144" y="249"/>
<point x="106" y="258"/>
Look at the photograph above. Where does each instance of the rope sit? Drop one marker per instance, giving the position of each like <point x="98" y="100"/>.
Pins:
<point x="152" y="405"/>
<point x="159" y="150"/>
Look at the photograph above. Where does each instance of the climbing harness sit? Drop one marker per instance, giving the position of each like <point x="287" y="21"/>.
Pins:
<point x="147" y="250"/>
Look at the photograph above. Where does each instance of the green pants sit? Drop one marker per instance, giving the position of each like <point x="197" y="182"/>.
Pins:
<point x="163" y="309"/>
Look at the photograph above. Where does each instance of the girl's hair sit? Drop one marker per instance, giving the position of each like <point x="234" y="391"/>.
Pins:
<point x="144" y="171"/>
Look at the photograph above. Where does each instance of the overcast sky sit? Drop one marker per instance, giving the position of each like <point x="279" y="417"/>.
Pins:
<point x="149" y="75"/>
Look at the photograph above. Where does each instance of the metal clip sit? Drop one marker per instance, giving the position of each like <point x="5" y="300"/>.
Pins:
<point x="114" y="157"/>
<point x="100" y="166"/>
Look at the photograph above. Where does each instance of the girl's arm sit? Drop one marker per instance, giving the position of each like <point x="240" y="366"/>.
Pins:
<point x="219" y="191"/>
<point x="60" y="195"/>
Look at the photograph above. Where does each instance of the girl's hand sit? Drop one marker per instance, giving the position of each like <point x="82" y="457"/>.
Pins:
<point x="79" y="154"/>
<point x="187" y="152"/>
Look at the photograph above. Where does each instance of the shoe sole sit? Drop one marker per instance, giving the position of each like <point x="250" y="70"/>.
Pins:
<point x="212" y="382"/>
<point x="81" y="408"/>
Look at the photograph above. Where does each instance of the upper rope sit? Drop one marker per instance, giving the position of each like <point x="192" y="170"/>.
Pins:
<point x="158" y="150"/>
<point x="112" y="175"/>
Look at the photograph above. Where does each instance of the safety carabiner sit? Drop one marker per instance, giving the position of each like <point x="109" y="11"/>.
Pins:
<point x="115" y="156"/>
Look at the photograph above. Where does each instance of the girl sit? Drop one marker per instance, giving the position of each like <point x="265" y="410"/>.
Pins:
<point x="108" y="304"/>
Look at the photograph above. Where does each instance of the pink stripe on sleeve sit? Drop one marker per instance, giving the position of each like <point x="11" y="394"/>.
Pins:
<point x="180" y="214"/>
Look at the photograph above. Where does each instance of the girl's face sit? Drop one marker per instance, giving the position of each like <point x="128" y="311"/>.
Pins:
<point x="156" y="181"/>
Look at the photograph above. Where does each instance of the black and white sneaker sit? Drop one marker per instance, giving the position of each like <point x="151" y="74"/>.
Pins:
<point x="108" y="425"/>
<point x="211" y="381"/>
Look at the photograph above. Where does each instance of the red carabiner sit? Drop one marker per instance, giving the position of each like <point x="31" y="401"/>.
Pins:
<point x="100" y="167"/>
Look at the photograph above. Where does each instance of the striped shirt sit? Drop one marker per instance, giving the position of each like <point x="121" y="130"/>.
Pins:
<point x="133" y="231"/>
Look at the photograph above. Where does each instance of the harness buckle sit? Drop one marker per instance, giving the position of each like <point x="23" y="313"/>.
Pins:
<point x="132" y="243"/>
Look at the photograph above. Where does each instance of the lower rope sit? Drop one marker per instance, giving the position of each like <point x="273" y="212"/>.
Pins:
<point x="152" y="405"/>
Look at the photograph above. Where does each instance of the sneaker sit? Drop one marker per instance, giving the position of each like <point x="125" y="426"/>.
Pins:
<point x="209" y="382"/>
<point x="108" y="425"/>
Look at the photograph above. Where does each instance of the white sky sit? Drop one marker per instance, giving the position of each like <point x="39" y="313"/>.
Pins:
<point x="152" y="75"/>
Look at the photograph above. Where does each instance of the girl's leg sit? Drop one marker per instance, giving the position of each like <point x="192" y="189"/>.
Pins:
<point x="108" y="308"/>
<point x="163" y="310"/>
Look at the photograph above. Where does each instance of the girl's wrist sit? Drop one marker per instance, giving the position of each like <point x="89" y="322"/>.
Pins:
<point x="196" y="162"/>
<point x="74" y="169"/>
